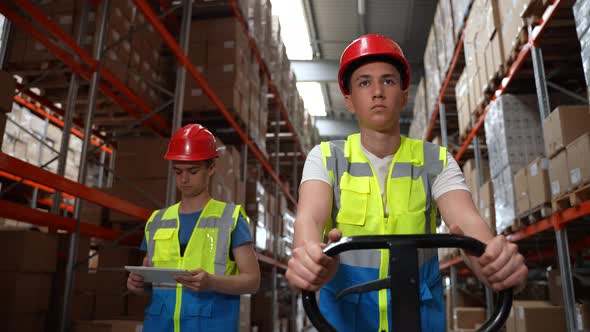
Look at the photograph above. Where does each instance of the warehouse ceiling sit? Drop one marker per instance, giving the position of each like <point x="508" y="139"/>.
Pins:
<point x="333" y="24"/>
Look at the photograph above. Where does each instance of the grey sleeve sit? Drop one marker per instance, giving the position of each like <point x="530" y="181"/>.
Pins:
<point x="451" y="178"/>
<point x="314" y="168"/>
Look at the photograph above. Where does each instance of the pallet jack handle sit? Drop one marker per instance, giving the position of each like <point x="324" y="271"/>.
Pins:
<point x="403" y="264"/>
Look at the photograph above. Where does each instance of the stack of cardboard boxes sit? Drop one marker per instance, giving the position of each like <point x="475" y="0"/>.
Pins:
<point x="532" y="188"/>
<point x="567" y="143"/>
<point x="483" y="196"/>
<point x="219" y="50"/>
<point x="440" y="47"/>
<point x="227" y="184"/>
<point x="516" y="140"/>
<point x="528" y="316"/>
<point x="26" y="277"/>
<point x="140" y="175"/>
<point x="493" y="34"/>
<point x="133" y="62"/>
<point x="463" y="111"/>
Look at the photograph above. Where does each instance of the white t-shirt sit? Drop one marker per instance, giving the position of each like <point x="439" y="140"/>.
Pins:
<point x="451" y="177"/>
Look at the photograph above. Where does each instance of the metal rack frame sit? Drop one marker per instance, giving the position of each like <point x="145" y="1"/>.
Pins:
<point x="557" y="221"/>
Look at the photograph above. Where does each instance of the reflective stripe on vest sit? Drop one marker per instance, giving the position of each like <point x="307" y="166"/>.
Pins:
<point x="224" y="224"/>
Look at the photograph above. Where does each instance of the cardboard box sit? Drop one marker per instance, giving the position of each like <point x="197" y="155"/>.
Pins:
<point x="24" y="322"/>
<point x="471" y="174"/>
<point x="563" y="126"/>
<point x="521" y="191"/>
<point x="583" y="315"/>
<point x="8" y="84"/>
<point x="486" y="205"/>
<point x="25" y="292"/>
<point x="539" y="317"/>
<point x="111" y="282"/>
<point x="109" y="306"/>
<point x="468" y="318"/>
<point x="108" y="326"/>
<point x="131" y="153"/>
<point x="555" y="290"/>
<point x="539" y="187"/>
<point x="511" y="321"/>
<point x="559" y="174"/>
<point x="37" y="251"/>
<point x="136" y="305"/>
<point x="578" y="160"/>
<point x="463" y="299"/>
<point x="118" y="257"/>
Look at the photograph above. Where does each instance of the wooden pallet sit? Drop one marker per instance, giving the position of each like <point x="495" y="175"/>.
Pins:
<point x="533" y="215"/>
<point x="580" y="194"/>
<point x="573" y="198"/>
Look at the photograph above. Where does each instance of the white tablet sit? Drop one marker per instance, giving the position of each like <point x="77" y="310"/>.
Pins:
<point x="157" y="274"/>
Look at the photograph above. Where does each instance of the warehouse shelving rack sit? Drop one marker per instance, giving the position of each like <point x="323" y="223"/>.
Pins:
<point x="62" y="55"/>
<point x="519" y="72"/>
<point x="89" y="67"/>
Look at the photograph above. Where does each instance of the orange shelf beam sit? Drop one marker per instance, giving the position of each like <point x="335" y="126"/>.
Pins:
<point x="184" y="61"/>
<point x="448" y="263"/>
<point x="556" y="221"/>
<point x="26" y="214"/>
<point x="32" y="184"/>
<point x="36" y="174"/>
<point x="524" y="52"/>
<point x="49" y="202"/>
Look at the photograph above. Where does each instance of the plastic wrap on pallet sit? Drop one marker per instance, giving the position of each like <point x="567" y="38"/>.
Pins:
<point x="460" y="10"/>
<point x="585" y="45"/>
<point x="419" y="123"/>
<point x="517" y="132"/>
<point x="432" y="83"/>
<point x="440" y="42"/>
<point x="504" y="199"/>
<point x="582" y="17"/>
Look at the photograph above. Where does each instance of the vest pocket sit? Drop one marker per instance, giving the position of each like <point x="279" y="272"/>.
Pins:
<point x="354" y="197"/>
<point x="164" y="247"/>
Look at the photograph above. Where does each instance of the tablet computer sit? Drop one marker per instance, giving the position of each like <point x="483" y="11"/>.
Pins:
<point x="157" y="275"/>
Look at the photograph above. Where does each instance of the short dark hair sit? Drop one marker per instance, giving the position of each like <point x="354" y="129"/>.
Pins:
<point x="347" y="75"/>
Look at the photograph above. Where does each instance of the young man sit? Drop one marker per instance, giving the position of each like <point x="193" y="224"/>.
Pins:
<point x="379" y="182"/>
<point x="209" y="238"/>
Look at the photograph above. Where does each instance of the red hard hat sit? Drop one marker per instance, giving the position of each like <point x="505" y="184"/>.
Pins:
<point x="371" y="45"/>
<point x="192" y="142"/>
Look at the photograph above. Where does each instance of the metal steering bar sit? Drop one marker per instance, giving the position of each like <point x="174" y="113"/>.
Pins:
<point x="403" y="264"/>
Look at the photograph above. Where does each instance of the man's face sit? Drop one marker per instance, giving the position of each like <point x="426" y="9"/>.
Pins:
<point x="192" y="177"/>
<point x="376" y="96"/>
